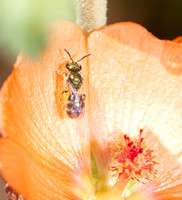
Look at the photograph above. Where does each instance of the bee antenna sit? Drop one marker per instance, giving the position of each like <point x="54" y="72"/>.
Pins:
<point x="83" y="57"/>
<point x="69" y="55"/>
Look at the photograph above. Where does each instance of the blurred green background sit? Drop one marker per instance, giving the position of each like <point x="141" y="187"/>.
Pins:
<point x="22" y="25"/>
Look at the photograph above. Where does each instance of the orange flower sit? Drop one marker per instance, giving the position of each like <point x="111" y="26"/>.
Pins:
<point x="132" y="81"/>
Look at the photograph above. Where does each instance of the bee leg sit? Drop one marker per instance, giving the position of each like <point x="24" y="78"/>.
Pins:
<point x="65" y="74"/>
<point x="65" y="91"/>
<point x="83" y="97"/>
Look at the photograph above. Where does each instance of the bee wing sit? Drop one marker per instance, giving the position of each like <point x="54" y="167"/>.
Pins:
<point x="81" y="91"/>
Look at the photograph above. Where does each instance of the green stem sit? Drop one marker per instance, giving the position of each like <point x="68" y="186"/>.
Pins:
<point x="91" y="14"/>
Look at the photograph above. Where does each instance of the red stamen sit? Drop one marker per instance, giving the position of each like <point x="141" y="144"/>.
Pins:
<point x="133" y="159"/>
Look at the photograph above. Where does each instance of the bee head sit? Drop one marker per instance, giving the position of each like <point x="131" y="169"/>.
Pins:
<point x="73" y="66"/>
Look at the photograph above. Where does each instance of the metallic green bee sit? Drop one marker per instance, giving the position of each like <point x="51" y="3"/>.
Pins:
<point x="75" y="102"/>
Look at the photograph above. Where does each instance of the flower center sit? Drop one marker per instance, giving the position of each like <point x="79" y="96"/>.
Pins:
<point x="132" y="166"/>
<point x="134" y="160"/>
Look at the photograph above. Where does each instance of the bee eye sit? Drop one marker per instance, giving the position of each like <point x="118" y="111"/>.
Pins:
<point x="68" y="66"/>
<point x="80" y="67"/>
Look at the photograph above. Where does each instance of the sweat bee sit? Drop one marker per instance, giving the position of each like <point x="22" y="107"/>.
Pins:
<point x="75" y="102"/>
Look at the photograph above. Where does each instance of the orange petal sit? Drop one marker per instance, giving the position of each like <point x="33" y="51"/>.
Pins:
<point x="169" y="170"/>
<point x="173" y="193"/>
<point x="178" y="39"/>
<point x="143" y="195"/>
<point x="37" y="180"/>
<point x="135" y="83"/>
<point x="32" y="114"/>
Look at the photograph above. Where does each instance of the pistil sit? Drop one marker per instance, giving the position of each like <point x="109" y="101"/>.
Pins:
<point x="133" y="159"/>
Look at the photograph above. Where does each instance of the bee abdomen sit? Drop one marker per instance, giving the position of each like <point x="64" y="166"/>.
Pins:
<point x="75" y="105"/>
